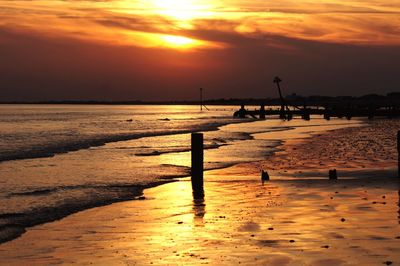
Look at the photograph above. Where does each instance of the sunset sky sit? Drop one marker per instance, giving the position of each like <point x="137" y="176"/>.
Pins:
<point x="167" y="49"/>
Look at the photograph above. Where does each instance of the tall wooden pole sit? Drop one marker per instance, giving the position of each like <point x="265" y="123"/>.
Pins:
<point x="197" y="165"/>
<point x="277" y="80"/>
<point x="201" y="99"/>
<point x="398" y="153"/>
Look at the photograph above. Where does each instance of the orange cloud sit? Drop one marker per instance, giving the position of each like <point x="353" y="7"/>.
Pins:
<point x="120" y="49"/>
<point x="138" y="22"/>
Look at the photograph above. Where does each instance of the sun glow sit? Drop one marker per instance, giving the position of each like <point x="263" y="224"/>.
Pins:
<point x="156" y="40"/>
<point x="183" y="10"/>
<point x="178" y="40"/>
<point x="164" y="23"/>
<point x="185" y="43"/>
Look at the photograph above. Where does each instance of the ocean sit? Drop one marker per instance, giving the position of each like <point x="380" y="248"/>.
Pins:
<point x="59" y="159"/>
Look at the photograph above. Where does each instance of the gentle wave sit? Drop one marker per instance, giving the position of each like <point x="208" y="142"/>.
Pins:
<point x="74" y="199"/>
<point x="13" y="225"/>
<point x="77" y="198"/>
<point x="215" y="144"/>
<point x="70" y="146"/>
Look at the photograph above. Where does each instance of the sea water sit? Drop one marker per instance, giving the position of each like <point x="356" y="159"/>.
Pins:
<point x="59" y="159"/>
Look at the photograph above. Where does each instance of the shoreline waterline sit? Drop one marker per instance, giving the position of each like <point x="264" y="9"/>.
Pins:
<point x="127" y="193"/>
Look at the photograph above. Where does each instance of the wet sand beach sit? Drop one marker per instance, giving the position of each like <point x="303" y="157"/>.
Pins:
<point x="368" y="150"/>
<point x="297" y="218"/>
<point x="305" y="222"/>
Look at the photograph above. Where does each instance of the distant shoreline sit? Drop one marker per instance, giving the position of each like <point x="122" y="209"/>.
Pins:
<point x="108" y="103"/>
<point x="392" y="99"/>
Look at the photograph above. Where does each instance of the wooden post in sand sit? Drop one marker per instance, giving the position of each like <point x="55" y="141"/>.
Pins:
<point x="197" y="165"/>
<point x="333" y="174"/>
<point x="262" y="111"/>
<point x="398" y="153"/>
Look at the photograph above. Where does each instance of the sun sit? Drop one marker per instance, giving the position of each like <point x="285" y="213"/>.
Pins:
<point x="178" y="40"/>
<point x="171" y="17"/>
<point x="182" y="43"/>
<point x="175" y="4"/>
<point x="182" y="10"/>
<point x="185" y="43"/>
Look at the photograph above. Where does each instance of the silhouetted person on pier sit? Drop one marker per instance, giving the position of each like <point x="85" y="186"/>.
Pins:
<point x="262" y="111"/>
<point x="306" y="113"/>
<point x="327" y="113"/>
<point x="242" y="111"/>
<point x="371" y="111"/>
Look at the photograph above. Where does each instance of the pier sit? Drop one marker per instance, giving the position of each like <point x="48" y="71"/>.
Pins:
<point x="287" y="110"/>
<point x="306" y="113"/>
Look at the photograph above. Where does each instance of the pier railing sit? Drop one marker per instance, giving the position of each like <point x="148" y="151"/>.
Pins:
<point x="327" y="113"/>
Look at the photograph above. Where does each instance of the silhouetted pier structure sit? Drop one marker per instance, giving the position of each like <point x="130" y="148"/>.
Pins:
<point x="341" y="110"/>
<point x="326" y="113"/>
